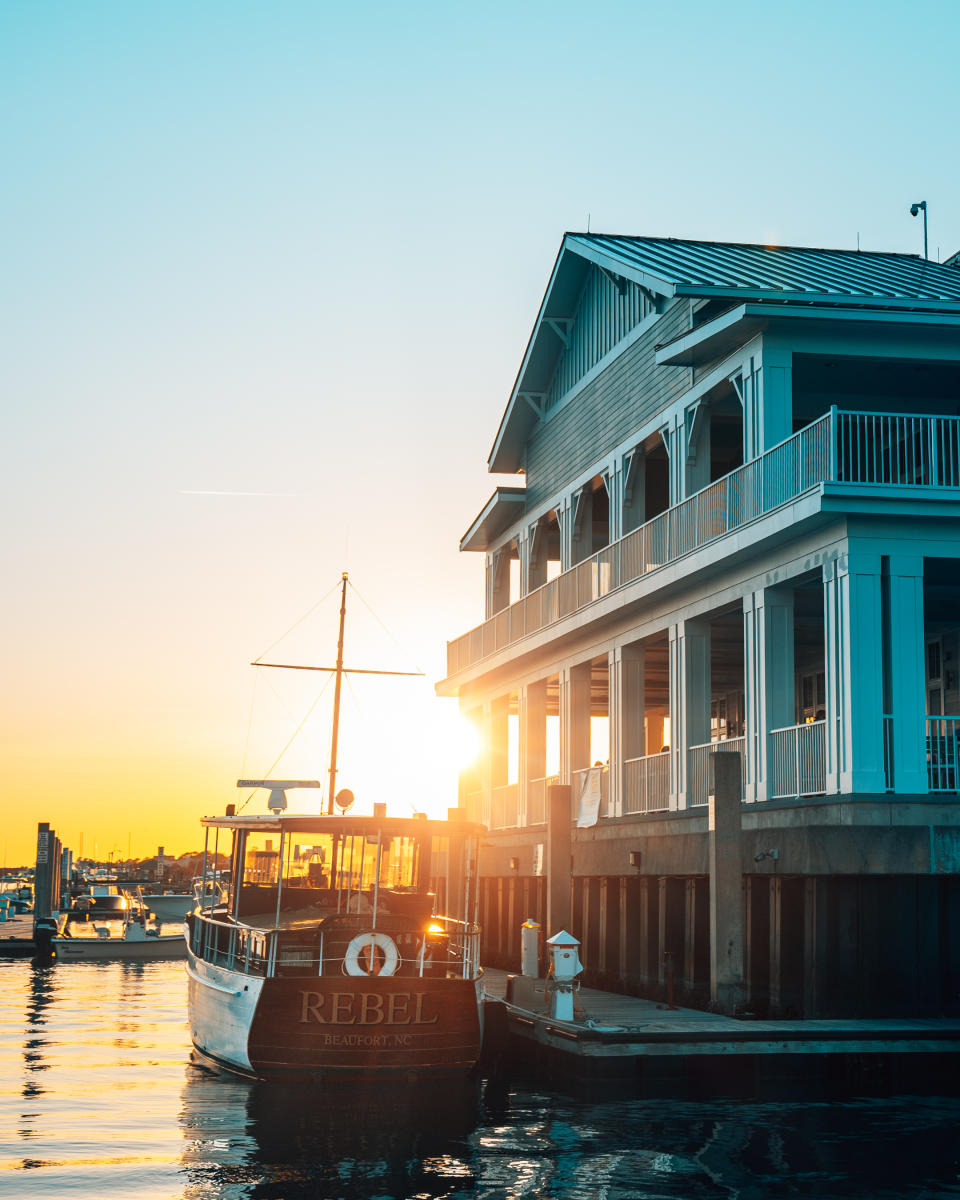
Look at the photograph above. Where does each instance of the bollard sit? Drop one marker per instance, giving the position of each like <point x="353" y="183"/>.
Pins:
<point x="565" y="966"/>
<point x="530" y="949"/>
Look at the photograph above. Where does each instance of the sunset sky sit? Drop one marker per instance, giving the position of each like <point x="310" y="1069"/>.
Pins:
<point x="268" y="275"/>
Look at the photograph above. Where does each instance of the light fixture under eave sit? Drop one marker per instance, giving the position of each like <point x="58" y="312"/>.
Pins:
<point x="915" y="209"/>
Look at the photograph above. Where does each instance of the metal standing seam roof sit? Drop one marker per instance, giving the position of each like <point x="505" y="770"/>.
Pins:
<point x="734" y="268"/>
<point x="868" y="280"/>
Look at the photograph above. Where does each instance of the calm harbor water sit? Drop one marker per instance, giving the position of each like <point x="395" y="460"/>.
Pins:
<point x="98" y="1098"/>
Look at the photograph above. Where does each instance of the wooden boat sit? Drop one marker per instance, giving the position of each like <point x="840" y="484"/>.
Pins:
<point x="329" y="955"/>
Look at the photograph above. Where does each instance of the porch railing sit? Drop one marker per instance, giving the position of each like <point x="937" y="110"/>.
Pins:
<point x="537" y="799"/>
<point x="698" y="767"/>
<point x="505" y="807"/>
<point x="798" y="761"/>
<point x="943" y="754"/>
<point x="888" y="449"/>
<point x="646" y="783"/>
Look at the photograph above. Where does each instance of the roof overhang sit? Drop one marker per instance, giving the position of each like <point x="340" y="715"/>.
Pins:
<point x="525" y="406"/>
<point x="504" y="507"/>
<point x="733" y="328"/>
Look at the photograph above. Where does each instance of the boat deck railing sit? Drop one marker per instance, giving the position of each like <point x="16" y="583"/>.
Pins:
<point x="268" y="953"/>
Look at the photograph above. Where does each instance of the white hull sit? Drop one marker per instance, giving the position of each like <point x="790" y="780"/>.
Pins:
<point x="221" y="1006"/>
<point x="170" y="907"/>
<point x="168" y="945"/>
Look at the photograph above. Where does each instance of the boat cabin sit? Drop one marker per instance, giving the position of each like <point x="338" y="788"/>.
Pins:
<point x="300" y="891"/>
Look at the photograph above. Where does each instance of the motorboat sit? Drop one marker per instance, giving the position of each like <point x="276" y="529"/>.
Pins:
<point x="109" y="923"/>
<point x="331" y="954"/>
<point x="169" y="906"/>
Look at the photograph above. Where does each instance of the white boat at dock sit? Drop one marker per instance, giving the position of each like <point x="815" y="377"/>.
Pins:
<point x="108" y="923"/>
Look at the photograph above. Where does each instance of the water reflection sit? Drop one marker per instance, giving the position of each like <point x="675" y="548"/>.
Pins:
<point x="100" y="1100"/>
<point x="496" y="1140"/>
<point x="256" y="1140"/>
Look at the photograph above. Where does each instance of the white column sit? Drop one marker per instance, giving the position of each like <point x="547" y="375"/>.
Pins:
<point x="574" y="720"/>
<point x="633" y="477"/>
<point x="854" y="673"/>
<point x="696" y="440"/>
<point x="523" y="554"/>
<point x="754" y="784"/>
<point x="627" y="679"/>
<point x="564" y="511"/>
<point x="908" y="693"/>
<point x="677" y="456"/>
<point x="769" y="679"/>
<point x="678" y="757"/>
<point x="533" y="738"/>
<point x="613" y="480"/>
<point x="693" y="674"/>
<point x="536" y="556"/>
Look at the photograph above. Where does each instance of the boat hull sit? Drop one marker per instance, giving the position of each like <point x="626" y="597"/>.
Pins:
<point x="99" y="949"/>
<point x="302" y="1027"/>
<point x="170" y="907"/>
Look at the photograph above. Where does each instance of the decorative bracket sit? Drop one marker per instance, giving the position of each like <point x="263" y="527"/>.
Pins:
<point x="692" y="423"/>
<point x="561" y="326"/>
<point x="535" y="400"/>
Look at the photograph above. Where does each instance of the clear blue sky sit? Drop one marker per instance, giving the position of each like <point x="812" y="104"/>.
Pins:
<point x="295" y="248"/>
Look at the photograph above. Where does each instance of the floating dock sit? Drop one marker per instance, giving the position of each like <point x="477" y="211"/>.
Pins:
<point x="618" y="1034"/>
<point x="16" y="936"/>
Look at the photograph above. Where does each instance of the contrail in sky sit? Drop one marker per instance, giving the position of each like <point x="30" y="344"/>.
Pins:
<point x="189" y="492"/>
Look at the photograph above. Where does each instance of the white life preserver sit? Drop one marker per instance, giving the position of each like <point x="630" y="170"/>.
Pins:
<point x="361" y="957"/>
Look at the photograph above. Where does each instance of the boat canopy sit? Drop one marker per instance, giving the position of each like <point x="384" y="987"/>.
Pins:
<point x="346" y="823"/>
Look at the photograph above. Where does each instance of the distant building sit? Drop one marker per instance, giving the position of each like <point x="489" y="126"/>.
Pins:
<point x="736" y="528"/>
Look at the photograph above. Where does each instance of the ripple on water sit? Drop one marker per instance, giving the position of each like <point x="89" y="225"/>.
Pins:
<point x="98" y="1098"/>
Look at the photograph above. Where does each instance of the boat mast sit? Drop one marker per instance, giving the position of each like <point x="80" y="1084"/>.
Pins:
<point x="336" y="696"/>
<point x="339" y="670"/>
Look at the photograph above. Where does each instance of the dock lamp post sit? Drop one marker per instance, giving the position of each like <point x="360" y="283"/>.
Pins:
<point x="914" y="209"/>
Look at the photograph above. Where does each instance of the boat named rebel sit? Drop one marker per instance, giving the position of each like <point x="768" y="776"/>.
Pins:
<point x="329" y="952"/>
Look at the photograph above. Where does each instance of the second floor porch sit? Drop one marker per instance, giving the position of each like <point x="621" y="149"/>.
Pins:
<point x="846" y="458"/>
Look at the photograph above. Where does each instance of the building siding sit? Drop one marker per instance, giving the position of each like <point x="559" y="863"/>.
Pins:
<point x="630" y="391"/>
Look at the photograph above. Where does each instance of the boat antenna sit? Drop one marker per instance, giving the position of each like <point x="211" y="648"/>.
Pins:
<point x="339" y="671"/>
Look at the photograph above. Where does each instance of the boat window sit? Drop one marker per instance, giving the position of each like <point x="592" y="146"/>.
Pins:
<point x="308" y="860"/>
<point x="398" y="863"/>
<point x="262" y="858"/>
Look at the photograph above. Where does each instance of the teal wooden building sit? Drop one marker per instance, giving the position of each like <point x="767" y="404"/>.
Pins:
<point x="734" y="527"/>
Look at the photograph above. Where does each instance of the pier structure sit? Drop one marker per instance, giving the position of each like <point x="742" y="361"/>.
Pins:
<point x="733" y="533"/>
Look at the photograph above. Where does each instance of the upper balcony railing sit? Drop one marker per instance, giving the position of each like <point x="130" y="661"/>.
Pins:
<point x="889" y="449"/>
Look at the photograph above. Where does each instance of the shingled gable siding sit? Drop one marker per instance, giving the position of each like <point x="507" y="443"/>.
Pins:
<point x="622" y="397"/>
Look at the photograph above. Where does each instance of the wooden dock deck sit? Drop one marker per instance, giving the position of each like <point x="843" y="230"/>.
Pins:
<point x="16" y="936"/>
<point x="611" y="1025"/>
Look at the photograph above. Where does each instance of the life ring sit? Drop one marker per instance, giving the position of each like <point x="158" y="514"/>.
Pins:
<point x="362" y="958"/>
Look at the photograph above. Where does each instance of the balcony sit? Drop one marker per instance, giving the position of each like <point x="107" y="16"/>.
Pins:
<point x="880" y="449"/>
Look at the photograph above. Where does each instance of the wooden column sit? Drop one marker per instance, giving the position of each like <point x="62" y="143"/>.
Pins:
<point x="727" y="989"/>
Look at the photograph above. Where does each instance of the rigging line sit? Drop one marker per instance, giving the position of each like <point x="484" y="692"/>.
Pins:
<point x="283" y="704"/>
<point x="388" y="632"/>
<point x="300" y="620"/>
<point x="246" y="742"/>
<point x="293" y="737"/>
